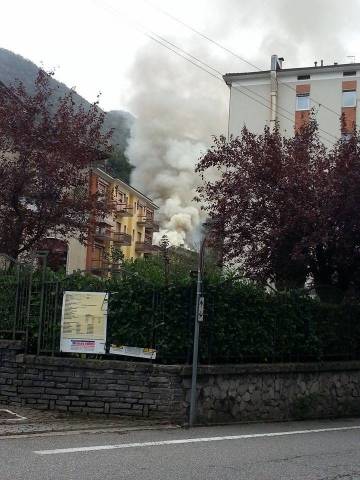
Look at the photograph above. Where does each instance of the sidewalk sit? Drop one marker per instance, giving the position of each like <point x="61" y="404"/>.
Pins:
<point x="27" y="421"/>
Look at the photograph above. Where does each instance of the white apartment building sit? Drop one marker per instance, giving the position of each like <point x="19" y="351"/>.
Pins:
<point x="287" y="95"/>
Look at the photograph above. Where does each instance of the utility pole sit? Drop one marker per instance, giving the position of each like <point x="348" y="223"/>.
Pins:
<point x="199" y="311"/>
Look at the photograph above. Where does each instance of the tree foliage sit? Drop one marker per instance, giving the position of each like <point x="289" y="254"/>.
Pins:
<point x="287" y="209"/>
<point x="118" y="165"/>
<point x="46" y="150"/>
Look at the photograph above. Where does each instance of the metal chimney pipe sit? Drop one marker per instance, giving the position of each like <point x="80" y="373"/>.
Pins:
<point x="273" y="90"/>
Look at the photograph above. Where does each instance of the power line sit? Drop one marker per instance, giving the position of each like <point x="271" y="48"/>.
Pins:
<point x="201" y="65"/>
<point x="231" y="52"/>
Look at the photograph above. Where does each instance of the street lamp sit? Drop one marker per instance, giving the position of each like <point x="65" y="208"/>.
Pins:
<point x="199" y="313"/>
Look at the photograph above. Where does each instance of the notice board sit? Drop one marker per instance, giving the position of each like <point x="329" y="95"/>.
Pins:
<point x="84" y="322"/>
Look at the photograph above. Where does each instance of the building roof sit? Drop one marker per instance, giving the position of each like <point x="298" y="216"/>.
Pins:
<point x="125" y="186"/>
<point x="231" y="77"/>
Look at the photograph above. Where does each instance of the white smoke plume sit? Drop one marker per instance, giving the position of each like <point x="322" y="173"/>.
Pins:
<point x="178" y="107"/>
<point x="176" y="112"/>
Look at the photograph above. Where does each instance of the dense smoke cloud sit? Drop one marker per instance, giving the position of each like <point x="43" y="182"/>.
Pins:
<point x="177" y="110"/>
<point x="178" y="107"/>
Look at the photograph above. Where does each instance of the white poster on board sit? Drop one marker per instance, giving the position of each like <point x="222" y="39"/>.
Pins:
<point x="84" y="322"/>
<point x="138" y="352"/>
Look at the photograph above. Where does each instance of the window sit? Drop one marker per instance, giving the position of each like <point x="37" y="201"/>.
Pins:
<point x="345" y="137"/>
<point x="302" y="101"/>
<point x="349" y="98"/>
<point x="303" y="77"/>
<point x="349" y="74"/>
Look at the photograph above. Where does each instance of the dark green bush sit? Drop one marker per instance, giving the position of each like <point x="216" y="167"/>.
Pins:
<point x="243" y="323"/>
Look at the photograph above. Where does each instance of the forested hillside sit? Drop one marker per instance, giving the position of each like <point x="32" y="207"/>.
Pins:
<point x="15" y="67"/>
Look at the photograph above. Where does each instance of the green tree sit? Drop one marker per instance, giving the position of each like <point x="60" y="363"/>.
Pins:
<point x="118" y="165"/>
<point x="164" y="251"/>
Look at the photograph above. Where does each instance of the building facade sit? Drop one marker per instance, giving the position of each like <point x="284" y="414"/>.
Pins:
<point x="287" y="96"/>
<point x="126" y="232"/>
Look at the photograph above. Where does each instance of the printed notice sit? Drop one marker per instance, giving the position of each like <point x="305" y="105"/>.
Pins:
<point x="139" y="352"/>
<point x="83" y="322"/>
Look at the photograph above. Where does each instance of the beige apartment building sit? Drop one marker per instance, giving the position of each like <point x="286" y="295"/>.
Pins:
<point x="287" y="96"/>
<point x="128" y="229"/>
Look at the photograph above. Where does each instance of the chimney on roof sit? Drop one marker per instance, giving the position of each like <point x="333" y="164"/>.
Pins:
<point x="315" y="64"/>
<point x="276" y="63"/>
<point x="321" y="63"/>
<point x="335" y="63"/>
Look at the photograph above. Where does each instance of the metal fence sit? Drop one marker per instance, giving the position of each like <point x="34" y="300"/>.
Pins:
<point x="238" y="326"/>
<point x="30" y="303"/>
<point x="15" y="298"/>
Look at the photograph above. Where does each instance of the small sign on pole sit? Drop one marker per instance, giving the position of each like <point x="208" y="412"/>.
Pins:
<point x="84" y="322"/>
<point x="201" y="309"/>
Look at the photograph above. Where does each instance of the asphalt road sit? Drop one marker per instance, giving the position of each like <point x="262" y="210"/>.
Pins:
<point x="299" y="450"/>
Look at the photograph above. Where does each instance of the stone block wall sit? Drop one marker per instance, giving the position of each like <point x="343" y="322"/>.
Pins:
<point x="226" y="393"/>
<point x="8" y="371"/>
<point x="98" y="386"/>
<point x="242" y="393"/>
<point x="89" y="386"/>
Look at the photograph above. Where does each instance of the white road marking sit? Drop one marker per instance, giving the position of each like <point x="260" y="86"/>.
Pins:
<point x="191" y="440"/>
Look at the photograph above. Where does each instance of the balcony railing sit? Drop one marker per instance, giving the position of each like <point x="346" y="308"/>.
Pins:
<point x="102" y="234"/>
<point x="106" y="235"/>
<point x="103" y="267"/>
<point x="145" y="247"/>
<point x="99" y="266"/>
<point x="148" y="223"/>
<point x="155" y="227"/>
<point x="121" y="238"/>
<point x="122" y="209"/>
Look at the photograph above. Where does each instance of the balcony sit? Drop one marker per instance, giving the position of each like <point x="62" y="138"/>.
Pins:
<point x="103" y="267"/>
<point x="155" y="226"/>
<point x="102" y="234"/>
<point x="121" y="238"/>
<point x="99" y="266"/>
<point x="148" y="223"/>
<point x="145" y="247"/>
<point x="122" y="209"/>
<point x="102" y="220"/>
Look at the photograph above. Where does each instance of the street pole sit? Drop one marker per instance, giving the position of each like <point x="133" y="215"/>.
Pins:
<point x="198" y="319"/>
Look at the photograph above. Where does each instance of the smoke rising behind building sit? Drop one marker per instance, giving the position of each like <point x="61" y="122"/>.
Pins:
<point x="178" y="107"/>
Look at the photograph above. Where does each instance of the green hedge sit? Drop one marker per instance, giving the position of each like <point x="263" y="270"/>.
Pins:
<point x="242" y="323"/>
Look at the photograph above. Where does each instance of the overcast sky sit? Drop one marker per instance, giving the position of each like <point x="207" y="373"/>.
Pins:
<point x="94" y="47"/>
<point x="99" y="46"/>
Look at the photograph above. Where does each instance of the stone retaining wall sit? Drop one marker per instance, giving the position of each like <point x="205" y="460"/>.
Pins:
<point x="8" y="371"/>
<point x="226" y="393"/>
<point x="241" y="393"/>
<point x="89" y="386"/>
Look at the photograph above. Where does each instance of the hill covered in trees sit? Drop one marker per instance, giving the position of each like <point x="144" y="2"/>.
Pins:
<point x="14" y="68"/>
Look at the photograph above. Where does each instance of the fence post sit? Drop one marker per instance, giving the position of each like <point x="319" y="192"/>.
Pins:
<point x="54" y="318"/>
<point x="43" y="273"/>
<point x="28" y="307"/>
<point x="16" y="299"/>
